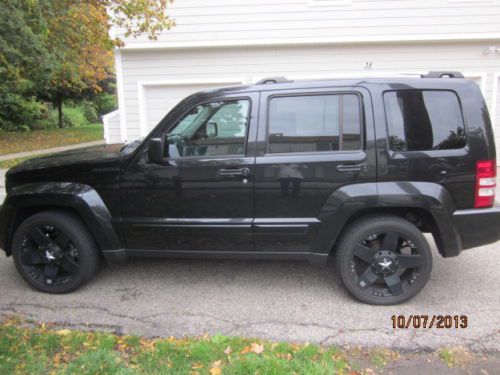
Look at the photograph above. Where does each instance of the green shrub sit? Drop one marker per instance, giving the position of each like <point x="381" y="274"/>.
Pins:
<point x="73" y="116"/>
<point x="105" y="103"/>
<point x="19" y="113"/>
<point x="50" y="121"/>
<point x="89" y="111"/>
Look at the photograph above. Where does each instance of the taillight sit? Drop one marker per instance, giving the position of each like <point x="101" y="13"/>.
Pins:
<point x="486" y="173"/>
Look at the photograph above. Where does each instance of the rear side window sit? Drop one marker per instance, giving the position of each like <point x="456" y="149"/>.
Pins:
<point x="421" y="120"/>
<point x="314" y="123"/>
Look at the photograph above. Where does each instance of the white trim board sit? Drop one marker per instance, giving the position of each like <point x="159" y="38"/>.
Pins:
<point x="141" y="92"/>
<point x="121" y="95"/>
<point x="314" y="41"/>
<point x="105" y="122"/>
<point x="494" y="97"/>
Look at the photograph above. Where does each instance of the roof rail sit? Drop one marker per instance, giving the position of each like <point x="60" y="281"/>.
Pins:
<point x="265" y="81"/>
<point x="442" y="74"/>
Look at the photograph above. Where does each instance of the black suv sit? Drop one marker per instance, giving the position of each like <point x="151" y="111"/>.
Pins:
<point x="356" y="169"/>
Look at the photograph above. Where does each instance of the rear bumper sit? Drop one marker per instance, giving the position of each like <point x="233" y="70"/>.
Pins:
<point x="477" y="227"/>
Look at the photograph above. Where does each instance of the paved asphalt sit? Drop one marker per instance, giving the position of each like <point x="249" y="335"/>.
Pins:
<point x="274" y="300"/>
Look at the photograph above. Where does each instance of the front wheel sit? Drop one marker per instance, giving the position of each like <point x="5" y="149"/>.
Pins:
<point x="54" y="252"/>
<point x="383" y="260"/>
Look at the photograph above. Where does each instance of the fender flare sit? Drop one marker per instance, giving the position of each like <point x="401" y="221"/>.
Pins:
<point x="79" y="197"/>
<point x="351" y="200"/>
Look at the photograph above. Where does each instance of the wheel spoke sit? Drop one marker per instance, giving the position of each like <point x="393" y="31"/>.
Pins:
<point x="31" y="258"/>
<point x="364" y="253"/>
<point x="50" y="272"/>
<point x="37" y="235"/>
<point x="367" y="278"/>
<point x="69" y="265"/>
<point x="409" y="261"/>
<point x="391" y="241"/>
<point x="62" y="240"/>
<point x="394" y="283"/>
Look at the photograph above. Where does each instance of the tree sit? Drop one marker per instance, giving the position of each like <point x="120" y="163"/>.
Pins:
<point x="25" y="64"/>
<point x="80" y="43"/>
<point x="61" y="49"/>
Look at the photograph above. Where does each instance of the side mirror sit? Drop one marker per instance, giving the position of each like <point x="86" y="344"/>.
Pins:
<point x="211" y="130"/>
<point x="155" y="150"/>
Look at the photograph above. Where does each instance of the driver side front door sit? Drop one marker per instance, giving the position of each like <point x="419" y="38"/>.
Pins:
<point x="202" y="198"/>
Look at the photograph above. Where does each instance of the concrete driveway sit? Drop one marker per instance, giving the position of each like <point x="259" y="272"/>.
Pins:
<point x="274" y="300"/>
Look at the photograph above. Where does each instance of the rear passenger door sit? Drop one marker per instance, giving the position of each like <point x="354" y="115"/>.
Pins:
<point x="310" y="143"/>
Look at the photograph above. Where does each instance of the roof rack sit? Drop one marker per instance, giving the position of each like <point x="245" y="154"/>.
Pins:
<point x="442" y="74"/>
<point x="265" y="81"/>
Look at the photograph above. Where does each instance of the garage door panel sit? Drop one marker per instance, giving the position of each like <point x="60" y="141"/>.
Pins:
<point x="160" y="99"/>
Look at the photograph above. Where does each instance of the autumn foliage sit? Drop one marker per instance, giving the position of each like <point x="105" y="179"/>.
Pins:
<point x="54" y="50"/>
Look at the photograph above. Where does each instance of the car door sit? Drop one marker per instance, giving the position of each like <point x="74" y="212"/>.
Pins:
<point x="201" y="197"/>
<point x="311" y="142"/>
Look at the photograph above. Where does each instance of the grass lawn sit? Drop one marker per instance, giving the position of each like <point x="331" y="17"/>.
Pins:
<point x="37" y="349"/>
<point x="12" y="142"/>
<point x="27" y="347"/>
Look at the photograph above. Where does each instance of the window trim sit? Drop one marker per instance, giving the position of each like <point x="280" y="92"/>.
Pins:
<point x="166" y="130"/>
<point x="446" y="151"/>
<point x="323" y="93"/>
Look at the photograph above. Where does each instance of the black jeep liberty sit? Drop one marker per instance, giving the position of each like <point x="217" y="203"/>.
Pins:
<point x="355" y="169"/>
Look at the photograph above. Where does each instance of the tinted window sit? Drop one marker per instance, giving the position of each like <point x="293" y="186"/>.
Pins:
<point x="217" y="128"/>
<point x="424" y="120"/>
<point x="314" y="123"/>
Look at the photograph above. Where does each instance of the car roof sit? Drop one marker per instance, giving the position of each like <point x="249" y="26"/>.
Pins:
<point x="404" y="81"/>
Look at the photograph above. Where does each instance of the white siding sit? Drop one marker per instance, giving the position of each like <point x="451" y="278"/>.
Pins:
<point x="149" y="76"/>
<point x="250" y="22"/>
<point x="111" y="123"/>
<point x="495" y="113"/>
<point x="160" y="98"/>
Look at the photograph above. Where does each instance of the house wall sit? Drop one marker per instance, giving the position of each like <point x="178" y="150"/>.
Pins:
<point x="495" y="110"/>
<point x="112" y="131"/>
<point x="257" y="22"/>
<point x="155" y="80"/>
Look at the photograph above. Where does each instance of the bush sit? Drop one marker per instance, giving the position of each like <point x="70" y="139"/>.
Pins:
<point x="74" y="116"/>
<point x="19" y="113"/>
<point x="105" y="103"/>
<point x="49" y="122"/>
<point x="89" y="111"/>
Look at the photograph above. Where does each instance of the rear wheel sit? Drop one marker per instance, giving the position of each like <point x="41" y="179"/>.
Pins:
<point x="383" y="260"/>
<point x="54" y="252"/>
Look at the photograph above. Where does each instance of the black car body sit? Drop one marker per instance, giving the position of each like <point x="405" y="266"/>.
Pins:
<point x="269" y="192"/>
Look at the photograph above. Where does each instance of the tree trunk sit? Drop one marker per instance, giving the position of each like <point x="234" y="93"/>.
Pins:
<point x="59" y="104"/>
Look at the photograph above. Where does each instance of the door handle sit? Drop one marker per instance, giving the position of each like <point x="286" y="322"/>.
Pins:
<point x="233" y="172"/>
<point x="352" y="168"/>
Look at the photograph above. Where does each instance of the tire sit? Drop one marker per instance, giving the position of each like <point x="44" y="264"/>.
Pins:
<point x="54" y="252"/>
<point x="383" y="260"/>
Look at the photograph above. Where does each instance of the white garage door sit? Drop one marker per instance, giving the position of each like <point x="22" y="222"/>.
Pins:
<point x="161" y="98"/>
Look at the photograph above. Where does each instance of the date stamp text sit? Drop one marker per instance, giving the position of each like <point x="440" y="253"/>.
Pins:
<point x="429" y="321"/>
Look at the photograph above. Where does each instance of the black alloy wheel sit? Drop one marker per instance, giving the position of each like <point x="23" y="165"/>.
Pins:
<point x="54" y="252"/>
<point x="384" y="260"/>
<point x="49" y="255"/>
